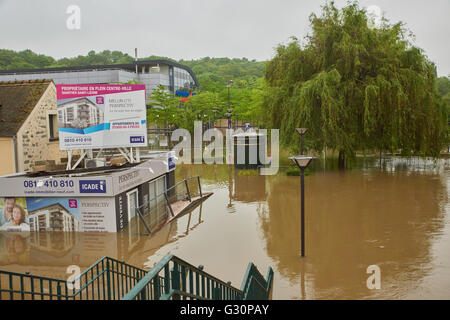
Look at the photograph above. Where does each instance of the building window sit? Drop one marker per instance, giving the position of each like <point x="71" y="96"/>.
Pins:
<point x="53" y="127"/>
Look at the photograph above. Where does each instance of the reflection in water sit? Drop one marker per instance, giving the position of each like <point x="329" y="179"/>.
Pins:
<point x="230" y="206"/>
<point x="50" y="253"/>
<point x="354" y="220"/>
<point x="396" y="217"/>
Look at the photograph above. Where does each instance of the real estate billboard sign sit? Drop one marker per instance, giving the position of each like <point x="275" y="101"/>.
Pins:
<point x="101" y="116"/>
<point x="57" y="214"/>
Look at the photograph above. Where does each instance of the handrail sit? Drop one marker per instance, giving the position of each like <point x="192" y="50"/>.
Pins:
<point x="181" y="181"/>
<point x="106" y="279"/>
<point x="140" y="209"/>
<point x="254" y="277"/>
<point x="147" y="278"/>
<point x="172" y="282"/>
<point x="252" y="271"/>
<point x="110" y="279"/>
<point x="29" y="275"/>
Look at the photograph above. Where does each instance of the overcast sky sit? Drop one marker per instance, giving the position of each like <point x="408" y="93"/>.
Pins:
<point x="190" y="29"/>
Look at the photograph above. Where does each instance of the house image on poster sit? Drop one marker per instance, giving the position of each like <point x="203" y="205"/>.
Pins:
<point x="54" y="217"/>
<point x="79" y="113"/>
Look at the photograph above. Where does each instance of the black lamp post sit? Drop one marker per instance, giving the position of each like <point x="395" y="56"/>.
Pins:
<point x="301" y="132"/>
<point x="214" y="115"/>
<point x="230" y="82"/>
<point x="228" y="115"/>
<point x="302" y="162"/>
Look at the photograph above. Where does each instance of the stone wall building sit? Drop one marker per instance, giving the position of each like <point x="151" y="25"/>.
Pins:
<point x="28" y="126"/>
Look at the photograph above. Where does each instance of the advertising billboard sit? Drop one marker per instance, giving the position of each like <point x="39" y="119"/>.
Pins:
<point x="69" y="214"/>
<point x="101" y="116"/>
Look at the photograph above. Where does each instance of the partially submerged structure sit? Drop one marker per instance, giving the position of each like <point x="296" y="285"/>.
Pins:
<point x="107" y="199"/>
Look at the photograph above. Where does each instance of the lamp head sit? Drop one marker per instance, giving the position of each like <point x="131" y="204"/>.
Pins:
<point x="302" y="161"/>
<point x="301" y="131"/>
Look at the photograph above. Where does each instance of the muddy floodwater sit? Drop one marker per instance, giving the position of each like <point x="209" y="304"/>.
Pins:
<point x="397" y="218"/>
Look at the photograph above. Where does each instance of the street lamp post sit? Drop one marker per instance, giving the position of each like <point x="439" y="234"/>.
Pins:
<point x="230" y="82"/>
<point x="302" y="163"/>
<point x="228" y="115"/>
<point x="214" y="116"/>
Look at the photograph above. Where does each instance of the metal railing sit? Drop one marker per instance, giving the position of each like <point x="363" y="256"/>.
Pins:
<point x="254" y="286"/>
<point x="107" y="279"/>
<point x="183" y="281"/>
<point x="110" y="279"/>
<point x="185" y="189"/>
<point x="18" y="286"/>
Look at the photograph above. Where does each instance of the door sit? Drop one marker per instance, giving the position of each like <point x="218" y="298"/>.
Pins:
<point x="132" y="204"/>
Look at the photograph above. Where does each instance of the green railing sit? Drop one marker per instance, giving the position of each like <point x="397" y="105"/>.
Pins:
<point x="18" y="286"/>
<point x="254" y="286"/>
<point x="107" y="279"/>
<point x="184" y="281"/>
<point x="110" y="279"/>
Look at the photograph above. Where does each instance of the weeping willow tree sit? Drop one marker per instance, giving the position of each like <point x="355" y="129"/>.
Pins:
<point x="355" y="88"/>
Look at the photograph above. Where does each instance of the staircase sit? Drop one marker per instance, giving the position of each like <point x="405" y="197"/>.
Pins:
<point x="110" y="279"/>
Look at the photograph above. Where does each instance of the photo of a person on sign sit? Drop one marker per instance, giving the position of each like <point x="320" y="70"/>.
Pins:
<point x="13" y="216"/>
<point x="17" y="221"/>
<point x="7" y="210"/>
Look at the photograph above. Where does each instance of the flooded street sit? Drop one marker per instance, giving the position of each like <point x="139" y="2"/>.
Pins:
<point x="397" y="218"/>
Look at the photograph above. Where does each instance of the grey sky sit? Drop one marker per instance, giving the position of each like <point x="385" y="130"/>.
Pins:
<point x="189" y="29"/>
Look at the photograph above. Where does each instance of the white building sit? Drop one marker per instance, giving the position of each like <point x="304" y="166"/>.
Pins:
<point x="173" y="76"/>
<point x="80" y="113"/>
<point x="53" y="217"/>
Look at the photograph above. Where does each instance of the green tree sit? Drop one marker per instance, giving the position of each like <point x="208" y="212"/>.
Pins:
<point x="443" y="88"/>
<point x="355" y="88"/>
<point x="165" y="107"/>
<point x="205" y="106"/>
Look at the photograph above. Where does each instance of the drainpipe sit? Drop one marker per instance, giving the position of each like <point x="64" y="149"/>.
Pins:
<point x="16" y="161"/>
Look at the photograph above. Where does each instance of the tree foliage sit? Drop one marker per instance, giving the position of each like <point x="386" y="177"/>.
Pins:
<point x="355" y="87"/>
<point x="164" y="109"/>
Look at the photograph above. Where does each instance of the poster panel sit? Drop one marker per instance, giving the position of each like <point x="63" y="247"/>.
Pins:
<point x="69" y="214"/>
<point x="14" y="214"/>
<point x="101" y="116"/>
<point x="54" y="214"/>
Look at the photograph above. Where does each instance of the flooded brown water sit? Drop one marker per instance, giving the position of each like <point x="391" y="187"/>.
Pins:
<point x="397" y="218"/>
